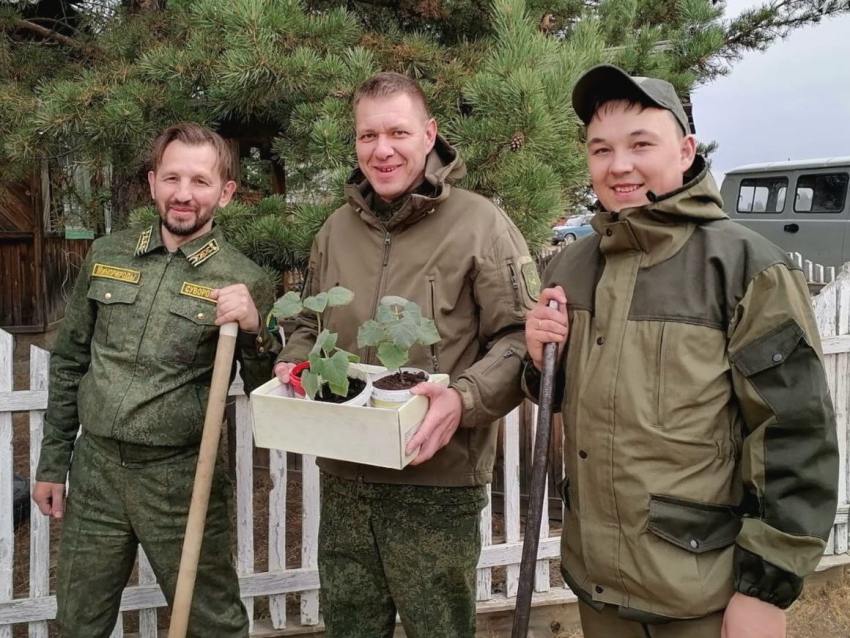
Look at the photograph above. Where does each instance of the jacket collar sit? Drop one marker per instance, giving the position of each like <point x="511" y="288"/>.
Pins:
<point x="662" y="227"/>
<point x="443" y="167"/>
<point x="196" y="251"/>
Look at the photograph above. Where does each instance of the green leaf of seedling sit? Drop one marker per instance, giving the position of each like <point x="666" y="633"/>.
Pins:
<point x="339" y="296"/>
<point x="414" y="312"/>
<point x="327" y="341"/>
<point x="369" y="334"/>
<point x="335" y="372"/>
<point x="352" y="358"/>
<point x="317" y="303"/>
<point x="287" y="306"/>
<point x="385" y="315"/>
<point x="393" y="300"/>
<point x="426" y="333"/>
<point x="402" y="333"/>
<point x="392" y="356"/>
<point x="311" y="383"/>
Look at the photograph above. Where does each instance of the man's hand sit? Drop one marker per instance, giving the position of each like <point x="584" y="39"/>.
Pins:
<point x="748" y="617"/>
<point x="546" y="325"/>
<point x="440" y="422"/>
<point x="282" y="371"/>
<point x="235" y="304"/>
<point x="50" y="498"/>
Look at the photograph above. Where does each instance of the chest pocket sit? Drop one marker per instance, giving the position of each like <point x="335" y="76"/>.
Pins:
<point x="190" y="333"/>
<point x="115" y="311"/>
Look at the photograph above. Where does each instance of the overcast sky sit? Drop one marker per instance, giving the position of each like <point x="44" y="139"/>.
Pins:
<point x="791" y="102"/>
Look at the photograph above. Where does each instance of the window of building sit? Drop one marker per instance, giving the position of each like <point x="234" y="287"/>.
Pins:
<point x="762" y="195"/>
<point x="821" y="193"/>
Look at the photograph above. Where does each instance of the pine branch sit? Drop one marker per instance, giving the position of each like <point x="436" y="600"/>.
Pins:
<point x="48" y="33"/>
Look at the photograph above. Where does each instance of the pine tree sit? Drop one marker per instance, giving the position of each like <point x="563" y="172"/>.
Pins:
<point x="84" y="87"/>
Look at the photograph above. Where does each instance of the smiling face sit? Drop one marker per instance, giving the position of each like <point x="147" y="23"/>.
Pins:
<point x="394" y="136"/>
<point x="632" y="150"/>
<point x="188" y="187"/>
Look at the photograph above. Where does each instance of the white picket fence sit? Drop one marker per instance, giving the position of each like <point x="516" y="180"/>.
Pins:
<point x="814" y="273"/>
<point x="832" y="308"/>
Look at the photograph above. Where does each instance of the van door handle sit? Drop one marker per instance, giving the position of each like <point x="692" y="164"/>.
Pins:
<point x="791" y="228"/>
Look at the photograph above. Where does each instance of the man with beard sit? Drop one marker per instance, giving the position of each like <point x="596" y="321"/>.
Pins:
<point x="131" y="369"/>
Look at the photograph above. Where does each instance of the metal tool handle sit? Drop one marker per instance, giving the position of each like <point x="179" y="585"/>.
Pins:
<point x="203" y="481"/>
<point x="536" y="490"/>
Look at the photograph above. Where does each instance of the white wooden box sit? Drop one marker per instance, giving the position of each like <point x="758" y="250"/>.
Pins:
<point x="375" y="436"/>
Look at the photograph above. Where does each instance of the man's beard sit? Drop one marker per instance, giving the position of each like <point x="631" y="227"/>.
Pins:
<point x="186" y="228"/>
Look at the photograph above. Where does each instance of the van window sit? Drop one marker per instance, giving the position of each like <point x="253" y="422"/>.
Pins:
<point x="762" y="195"/>
<point x="821" y="193"/>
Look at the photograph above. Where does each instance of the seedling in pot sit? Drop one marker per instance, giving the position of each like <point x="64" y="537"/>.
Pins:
<point x="398" y="325"/>
<point x="329" y="365"/>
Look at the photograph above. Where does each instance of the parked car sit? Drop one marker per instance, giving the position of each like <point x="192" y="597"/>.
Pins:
<point x="801" y="206"/>
<point x="574" y="228"/>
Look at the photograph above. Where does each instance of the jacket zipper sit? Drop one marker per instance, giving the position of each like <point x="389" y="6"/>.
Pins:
<point x="377" y="299"/>
<point x="659" y="405"/>
<point x="435" y="362"/>
<point x="515" y="286"/>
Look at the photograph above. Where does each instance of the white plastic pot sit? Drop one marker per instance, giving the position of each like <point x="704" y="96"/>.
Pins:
<point x="362" y="399"/>
<point x="392" y="399"/>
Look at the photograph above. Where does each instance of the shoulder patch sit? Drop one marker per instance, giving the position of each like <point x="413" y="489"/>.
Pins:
<point x="144" y="241"/>
<point x="126" y="275"/>
<point x="531" y="278"/>
<point x="203" y="253"/>
<point x="196" y="291"/>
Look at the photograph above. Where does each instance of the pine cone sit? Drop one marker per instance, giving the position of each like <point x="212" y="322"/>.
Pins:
<point x="517" y="140"/>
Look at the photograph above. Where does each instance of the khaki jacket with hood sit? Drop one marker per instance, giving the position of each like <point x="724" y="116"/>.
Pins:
<point x="700" y="439"/>
<point x="464" y="262"/>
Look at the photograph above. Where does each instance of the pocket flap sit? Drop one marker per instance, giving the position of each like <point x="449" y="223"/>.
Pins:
<point x="693" y="526"/>
<point x="197" y="311"/>
<point x="769" y="350"/>
<point x="111" y="292"/>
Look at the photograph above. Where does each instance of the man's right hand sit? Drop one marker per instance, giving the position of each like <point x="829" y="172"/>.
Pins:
<point x="50" y="498"/>
<point x="282" y="371"/>
<point x="547" y="325"/>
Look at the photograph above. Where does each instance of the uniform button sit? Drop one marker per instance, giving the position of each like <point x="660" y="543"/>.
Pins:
<point x="609" y="232"/>
<point x="599" y="589"/>
<point x="582" y="454"/>
<point x="777" y="357"/>
<point x="600" y="341"/>
<point x="695" y="544"/>
<point x="200" y="315"/>
<point x="261" y="349"/>
<point x="108" y="295"/>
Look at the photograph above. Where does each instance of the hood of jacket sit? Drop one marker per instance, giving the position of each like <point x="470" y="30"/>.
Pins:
<point x="443" y="167"/>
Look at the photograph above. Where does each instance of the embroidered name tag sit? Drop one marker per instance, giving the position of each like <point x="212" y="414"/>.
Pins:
<point x="196" y="291"/>
<point x="119" y="274"/>
<point x="206" y="251"/>
<point x="144" y="241"/>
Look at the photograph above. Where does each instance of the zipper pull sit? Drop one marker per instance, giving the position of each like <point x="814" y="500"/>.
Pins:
<point x="387" y="241"/>
<point x="435" y="364"/>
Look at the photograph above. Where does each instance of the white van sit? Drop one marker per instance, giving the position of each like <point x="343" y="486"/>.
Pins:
<point x="801" y="206"/>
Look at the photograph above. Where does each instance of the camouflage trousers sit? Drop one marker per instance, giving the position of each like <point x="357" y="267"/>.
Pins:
<point x="607" y="624"/>
<point x="398" y="548"/>
<point x="119" y="497"/>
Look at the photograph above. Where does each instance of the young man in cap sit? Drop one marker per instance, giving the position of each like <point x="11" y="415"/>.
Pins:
<point x="131" y="368"/>
<point x="700" y="438"/>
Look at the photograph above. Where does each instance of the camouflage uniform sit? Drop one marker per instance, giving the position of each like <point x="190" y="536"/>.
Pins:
<point x="132" y="367"/>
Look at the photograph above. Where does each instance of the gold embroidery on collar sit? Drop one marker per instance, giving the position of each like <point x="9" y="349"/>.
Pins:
<point x="205" y="252"/>
<point x="144" y="241"/>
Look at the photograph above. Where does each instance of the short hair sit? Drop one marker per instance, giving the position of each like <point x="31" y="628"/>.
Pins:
<point x="633" y="102"/>
<point x="388" y="84"/>
<point x="193" y="134"/>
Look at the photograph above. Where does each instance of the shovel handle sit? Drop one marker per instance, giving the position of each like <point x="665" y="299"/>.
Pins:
<point x="536" y="490"/>
<point x="203" y="481"/>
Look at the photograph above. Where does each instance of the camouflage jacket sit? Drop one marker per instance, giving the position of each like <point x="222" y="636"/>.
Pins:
<point x="700" y="440"/>
<point x="133" y="359"/>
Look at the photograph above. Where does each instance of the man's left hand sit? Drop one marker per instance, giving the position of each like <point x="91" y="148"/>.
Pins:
<point x="748" y="617"/>
<point x="440" y="422"/>
<point x="235" y="304"/>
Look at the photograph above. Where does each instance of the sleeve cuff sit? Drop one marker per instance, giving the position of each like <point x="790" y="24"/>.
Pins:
<point x="755" y="577"/>
<point x="256" y="344"/>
